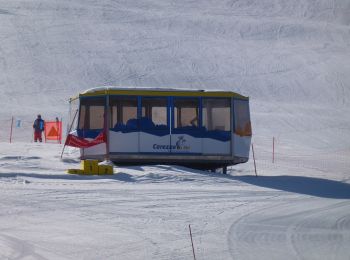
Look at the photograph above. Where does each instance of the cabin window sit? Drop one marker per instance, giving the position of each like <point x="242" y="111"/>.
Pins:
<point x="242" y="118"/>
<point x="92" y="113"/>
<point x="186" y="112"/>
<point x="123" y="112"/>
<point x="216" y="114"/>
<point x="154" y="113"/>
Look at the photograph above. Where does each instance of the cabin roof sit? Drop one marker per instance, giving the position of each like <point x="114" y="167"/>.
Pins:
<point x="146" y="91"/>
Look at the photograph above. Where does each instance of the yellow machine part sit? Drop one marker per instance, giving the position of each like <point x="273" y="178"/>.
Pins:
<point x="75" y="171"/>
<point x="105" y="169"/>
<point x="90" y="166"/>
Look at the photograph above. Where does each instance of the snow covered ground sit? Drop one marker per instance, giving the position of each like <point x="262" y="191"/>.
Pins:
<point x="297" y="208"/>
<point x="291" y="57"/>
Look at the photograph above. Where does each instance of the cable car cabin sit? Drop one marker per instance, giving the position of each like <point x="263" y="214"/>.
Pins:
<point x="198" y="129"/>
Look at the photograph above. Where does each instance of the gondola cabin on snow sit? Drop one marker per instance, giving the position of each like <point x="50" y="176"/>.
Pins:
<point x="195" y="128"/>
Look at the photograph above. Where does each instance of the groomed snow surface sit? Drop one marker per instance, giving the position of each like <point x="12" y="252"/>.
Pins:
<point x="291" y="57"/>
<point x="297" y="208"/>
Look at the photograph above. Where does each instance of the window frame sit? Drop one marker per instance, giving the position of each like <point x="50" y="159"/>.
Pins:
<point x="167" y="108"/>
<point x="186" y="128"/>
<point x="229" y="99"/>
<point x="124" y="127"/>
<point x="79" y="127"/>
<point x="245" y="132"/>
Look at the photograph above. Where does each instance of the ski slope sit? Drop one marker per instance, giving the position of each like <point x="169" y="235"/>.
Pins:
<point x="290" y="57"/>
<point x="290" y="211"/>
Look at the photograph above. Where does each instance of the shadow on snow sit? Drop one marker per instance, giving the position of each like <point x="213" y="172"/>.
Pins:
<point x="300" y="184"/>
<point x="318" y="187"/>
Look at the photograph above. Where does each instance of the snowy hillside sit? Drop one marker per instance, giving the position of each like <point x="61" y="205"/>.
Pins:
<point x="292" y="57"/>
<point x="291" y="54"/>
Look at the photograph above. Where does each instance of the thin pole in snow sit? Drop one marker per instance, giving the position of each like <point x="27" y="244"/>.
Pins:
<point x="11" y="130"/>
<point x="60" y="131"/>
<point x="273" y="150"/>
<point x="106" y="127"/>
<point x="256" y="174"/>
<point x="170" y="126"/>
<point x="70" y="129"/>
<point x="45" y="131"/>
<point x="194" y="255"/>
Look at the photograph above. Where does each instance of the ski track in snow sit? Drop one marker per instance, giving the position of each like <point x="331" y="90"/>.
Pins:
<point x="290" y="57"/>
<point x="143" y="212"/>
<point x="304" y="234"/>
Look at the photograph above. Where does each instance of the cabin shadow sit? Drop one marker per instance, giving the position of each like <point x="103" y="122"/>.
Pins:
<point x="318" y="187"/>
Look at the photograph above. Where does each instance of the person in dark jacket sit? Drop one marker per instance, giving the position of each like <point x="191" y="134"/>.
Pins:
<point x="38" y="129"/>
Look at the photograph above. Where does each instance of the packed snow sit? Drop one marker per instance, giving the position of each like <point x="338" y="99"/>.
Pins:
<point x="290" y="57"/>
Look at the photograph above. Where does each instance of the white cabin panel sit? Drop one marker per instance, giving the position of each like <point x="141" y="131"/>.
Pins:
<point x="154" y="144"/>
<point x="98" y="149"/>
<point x="241" y="145"/>
<point x="212" y="146"/>
<point x="123" y="142"/>
<point x="182" y="143"/>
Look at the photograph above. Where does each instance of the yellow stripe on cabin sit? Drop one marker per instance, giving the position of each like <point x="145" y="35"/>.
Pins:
<point x="164" y="93"/>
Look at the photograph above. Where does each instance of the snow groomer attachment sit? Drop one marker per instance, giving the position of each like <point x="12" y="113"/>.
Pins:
<point x="92" y="167"/>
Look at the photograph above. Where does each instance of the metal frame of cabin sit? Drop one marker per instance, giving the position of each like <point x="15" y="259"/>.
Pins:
<point x="195" y="128"/>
